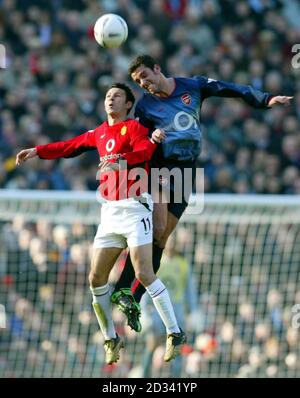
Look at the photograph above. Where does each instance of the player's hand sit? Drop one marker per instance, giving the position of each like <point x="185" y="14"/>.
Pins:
<point x="158" y="136"/>
<point x="108" y="166"/>
<point x="280" y="99"/>
<point x="25" y="154"/>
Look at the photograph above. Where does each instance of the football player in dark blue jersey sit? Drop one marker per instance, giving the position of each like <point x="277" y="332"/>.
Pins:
<point x="172" y="104"/>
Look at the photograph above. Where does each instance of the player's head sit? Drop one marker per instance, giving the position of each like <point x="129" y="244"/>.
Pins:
<point x="118" y="99"/>
<point x="146" y="73"/>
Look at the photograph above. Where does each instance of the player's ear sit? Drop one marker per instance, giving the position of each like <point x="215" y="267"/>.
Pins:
<point x="129" y="104"/>
<point x="157" y="68"/>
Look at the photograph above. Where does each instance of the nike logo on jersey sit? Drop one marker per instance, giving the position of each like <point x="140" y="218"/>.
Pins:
<point x="102" y="136"/>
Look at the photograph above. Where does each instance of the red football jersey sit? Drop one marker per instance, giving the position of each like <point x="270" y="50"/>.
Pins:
<point x="127" y="140"/>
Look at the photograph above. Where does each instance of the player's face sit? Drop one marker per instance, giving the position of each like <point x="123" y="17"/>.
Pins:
<point x="115" y="102"/>
<point x="147" y="78"/>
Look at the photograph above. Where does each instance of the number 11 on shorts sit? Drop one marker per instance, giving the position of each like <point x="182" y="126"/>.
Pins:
<point x="147" y="225"/>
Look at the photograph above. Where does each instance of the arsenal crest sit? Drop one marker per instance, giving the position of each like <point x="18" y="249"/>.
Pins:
<point x="186" y="99"/>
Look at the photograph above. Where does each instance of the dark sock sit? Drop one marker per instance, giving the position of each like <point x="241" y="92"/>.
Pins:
<point x="127" y="276"/>
<point x="156" y="257"/>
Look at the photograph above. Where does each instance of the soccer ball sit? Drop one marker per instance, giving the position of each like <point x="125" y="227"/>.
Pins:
<point x="110" y="31"/>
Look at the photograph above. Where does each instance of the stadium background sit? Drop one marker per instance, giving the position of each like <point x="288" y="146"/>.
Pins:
<point x="53" y="89"/>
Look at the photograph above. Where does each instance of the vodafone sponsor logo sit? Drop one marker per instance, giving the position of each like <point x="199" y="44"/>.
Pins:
<point x="109" y="157"/>
<point x="110" y="145"/>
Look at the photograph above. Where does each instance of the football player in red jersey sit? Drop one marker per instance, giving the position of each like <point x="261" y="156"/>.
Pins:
<point x="126" y="216"/>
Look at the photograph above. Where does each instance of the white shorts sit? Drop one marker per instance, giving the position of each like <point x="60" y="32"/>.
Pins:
<point x="125" y="223"/>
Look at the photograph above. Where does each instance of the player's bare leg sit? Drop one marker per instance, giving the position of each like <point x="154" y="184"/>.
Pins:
<point x="103" y="260"/>
<point x="160" y="216"/>
<point x="172" y="222"/>
<point x="122" y="295"/>
<point x="159" y="242"/>
<point x="141" y="257"/>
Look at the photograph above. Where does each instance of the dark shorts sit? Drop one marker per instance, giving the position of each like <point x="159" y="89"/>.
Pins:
<point x="178" y="186"/>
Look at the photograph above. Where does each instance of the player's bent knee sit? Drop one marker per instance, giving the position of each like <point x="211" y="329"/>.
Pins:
<point x="158" y="233"/>
<point x="141" y="276"/>
<point x="163" y="239"/>
<point x="161" y="242"/>
<point x="96" y="280"/>
<point x="146" y="278"/>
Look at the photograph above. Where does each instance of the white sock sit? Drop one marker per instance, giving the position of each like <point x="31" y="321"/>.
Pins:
<point x="103" y="310"/>
<point x="161" y="299"/>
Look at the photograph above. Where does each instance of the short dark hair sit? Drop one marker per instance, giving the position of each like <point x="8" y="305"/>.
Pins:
<point x="145" y="59"/>
<point x="129" y="94"/>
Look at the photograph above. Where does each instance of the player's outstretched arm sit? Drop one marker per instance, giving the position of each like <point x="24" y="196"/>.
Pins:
<point x="280" y="99"/>
<point x="25" y="154"/>
<point x="252" y="96"/>
<point x="61" y="149"/>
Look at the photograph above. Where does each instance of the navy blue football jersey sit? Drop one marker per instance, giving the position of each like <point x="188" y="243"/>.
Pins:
<point x="179" y="114"/>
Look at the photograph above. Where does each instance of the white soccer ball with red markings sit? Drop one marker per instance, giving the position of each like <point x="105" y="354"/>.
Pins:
<point x="110" y="31"/>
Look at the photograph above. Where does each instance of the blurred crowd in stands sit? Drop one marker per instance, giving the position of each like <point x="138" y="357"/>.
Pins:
<point x="56" y="75"/>
<point x="238" y="316"/>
